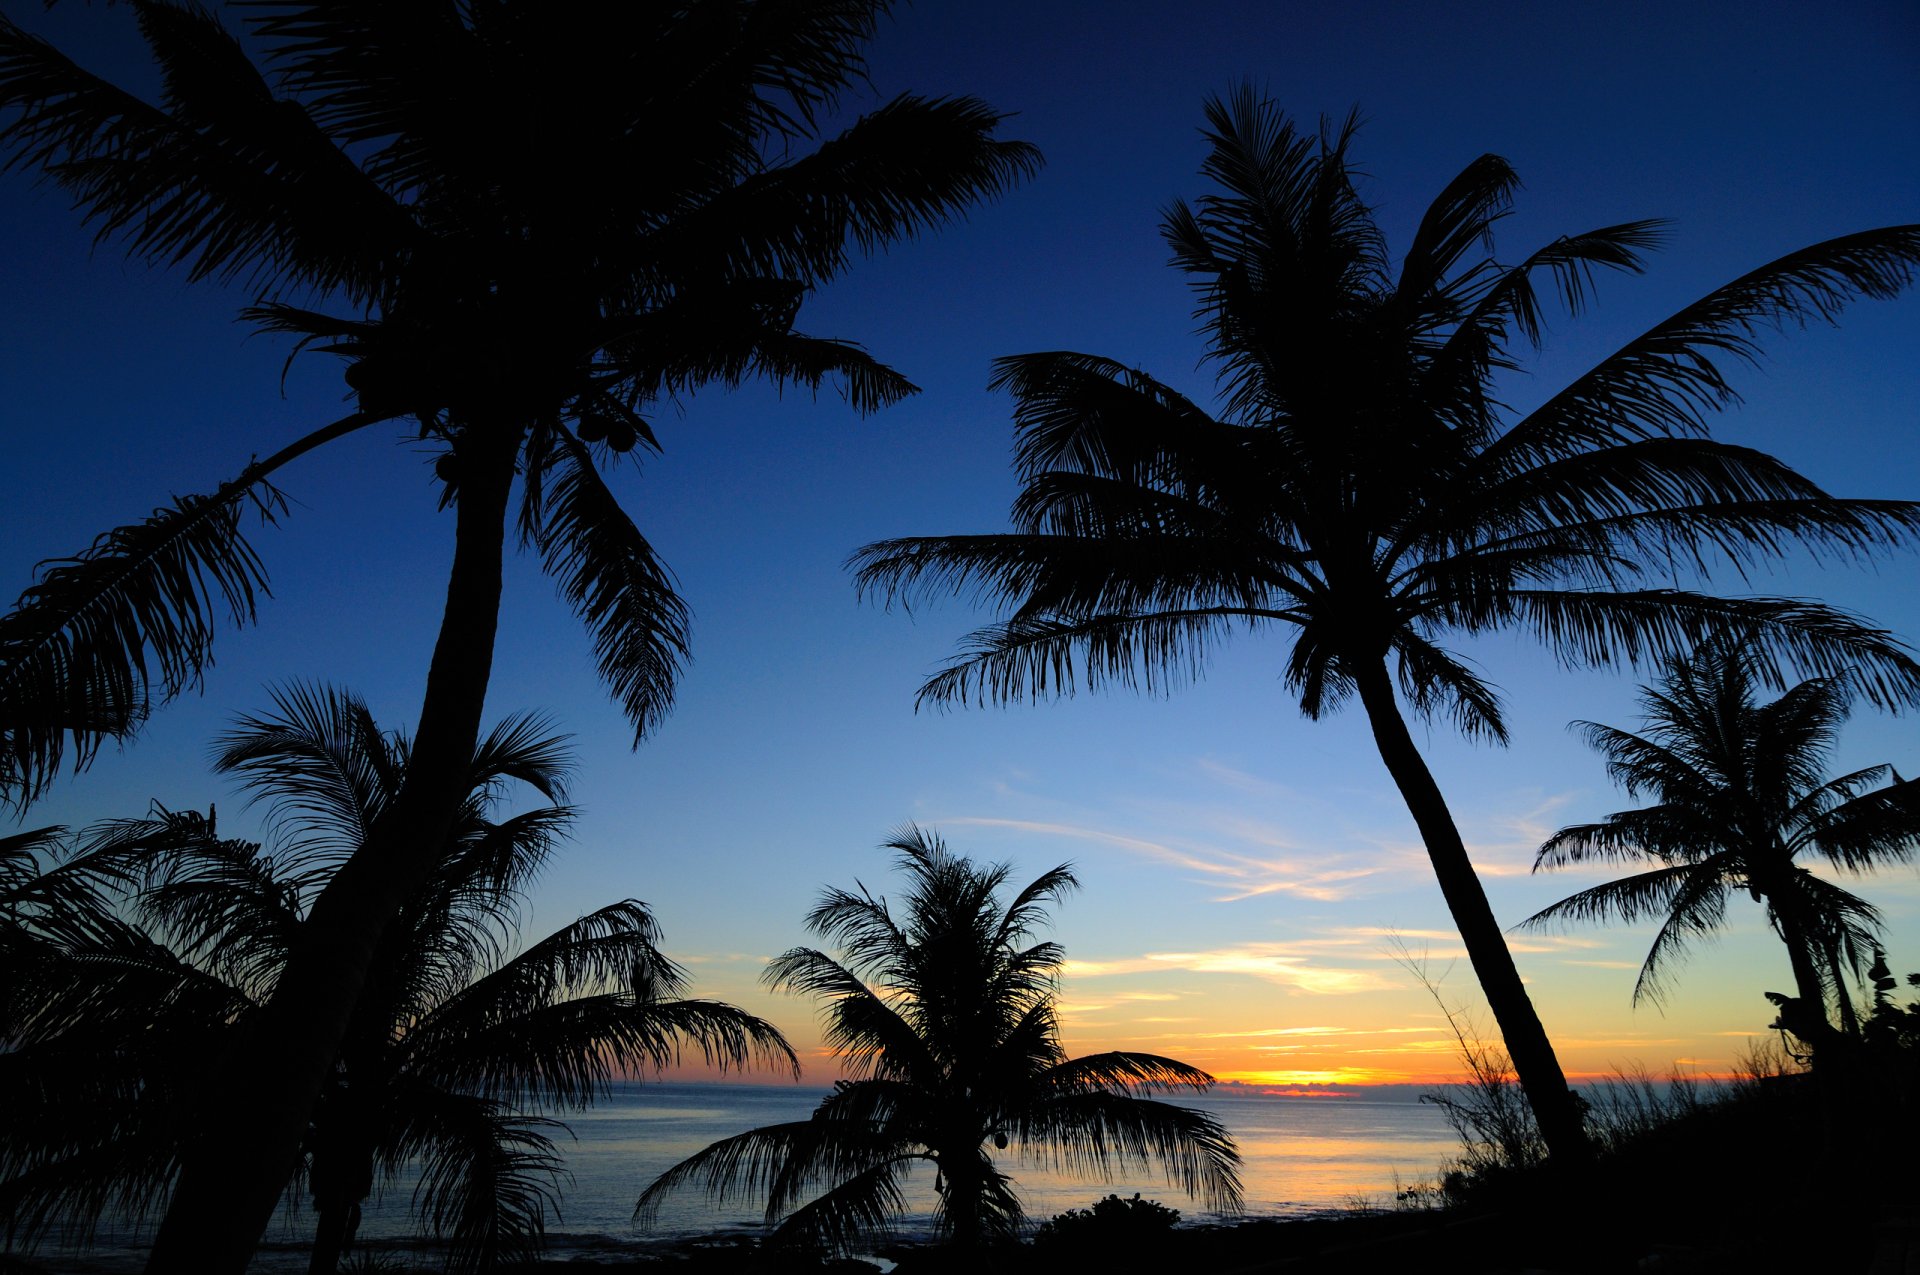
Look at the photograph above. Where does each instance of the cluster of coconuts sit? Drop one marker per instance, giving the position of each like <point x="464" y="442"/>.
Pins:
<point x="617" y="434"/>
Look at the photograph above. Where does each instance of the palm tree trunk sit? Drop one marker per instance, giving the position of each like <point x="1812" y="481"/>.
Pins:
<point x="1807" y="983"/>
<point x="1555" y="1108"/>
<point x="255" y="1114"/>
<point x="1849" y="1020"/>
<point x="961" y="1195"/>
<point x="332" y="1237"/>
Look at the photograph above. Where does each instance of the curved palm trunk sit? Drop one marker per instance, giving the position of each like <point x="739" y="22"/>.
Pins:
<point x="1555" y="1109"/>
<point x="257" y="1110"/>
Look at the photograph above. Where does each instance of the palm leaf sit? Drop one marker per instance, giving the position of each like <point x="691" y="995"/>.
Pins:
<point x="225" y="177"/>
<point x="488" y="1180"/>
<point x="609" y="574"/>
<point x="1666" y="380"/>
<point x="1096" y="1133"/>
<point x="87" y="648"/>
<point x="857" y="1210"/>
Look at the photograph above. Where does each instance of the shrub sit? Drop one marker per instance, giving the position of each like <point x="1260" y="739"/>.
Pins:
<point x="1112" y="1223"/>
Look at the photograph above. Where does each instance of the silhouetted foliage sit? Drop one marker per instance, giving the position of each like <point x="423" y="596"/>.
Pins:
<point x="1362" y="489"/>
<point x="943" y="1012"/>
<point x="1114" y="1233"/>
<point x="1741" y="796"/>
<point x="177" y="936"/>
<point x="526" y="228"/>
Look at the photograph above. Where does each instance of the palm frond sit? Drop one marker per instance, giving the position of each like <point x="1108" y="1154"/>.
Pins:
<point x="900" y="170"/>
<point x="87" y="648"/>
<point x="1666" y="381"/>
<point x="488" y="1181"/>
<point x="1036" y="657"/>
<point x="1137" y="1075"/>
<point x="1872" y="830"/>
<point x="1691" y="899"/>
<point x="523" y="747"/>
<point x="223" y="177"/>
<point x="1598" y="629"/>
<point x="1096" y="1133"/>
<point x="856" y="1211"/>
<point x="1460" y="219"/>
<point x="319" y="762"/>
<point x="1509" y="296"/>
<point x="609" y="574"/>
<point x="802" y="1154"/>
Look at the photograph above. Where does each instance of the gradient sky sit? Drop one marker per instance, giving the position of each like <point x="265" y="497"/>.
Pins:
<point x="1245" y="872"/>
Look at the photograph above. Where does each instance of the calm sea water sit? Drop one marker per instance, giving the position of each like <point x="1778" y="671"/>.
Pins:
<point x="1299" y="1156"/>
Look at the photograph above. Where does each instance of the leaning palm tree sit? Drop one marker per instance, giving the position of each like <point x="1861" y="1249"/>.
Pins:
<point x="536" y="224"/>
<point x="943" y="1013"/>
<point x="459" y="1039"/>
<point x="1362" y="489"/>
<point x="1740" y="799"/>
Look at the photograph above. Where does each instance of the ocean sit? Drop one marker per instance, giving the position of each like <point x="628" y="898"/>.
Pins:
<point x="1300" y="1156"/>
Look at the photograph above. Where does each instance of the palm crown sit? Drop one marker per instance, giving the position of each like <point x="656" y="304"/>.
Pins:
<point x="1363" y="490"/>
<point x="462" y="1032"/>
<point x="1740" y="799"/>
<point x="540" y="223"/>
<point x="943" y="1013"/>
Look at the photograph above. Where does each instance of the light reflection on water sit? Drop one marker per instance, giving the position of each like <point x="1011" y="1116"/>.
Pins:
<point x="1298" y="1156"/>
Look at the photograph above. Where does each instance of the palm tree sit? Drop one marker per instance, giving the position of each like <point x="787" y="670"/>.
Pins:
<point x="944" y="1015"/>
<point x="1363" y="490"/>
<point x="540" y="222"/>
<point x="1740" y="798"/>
<point x="457" y="1039"/>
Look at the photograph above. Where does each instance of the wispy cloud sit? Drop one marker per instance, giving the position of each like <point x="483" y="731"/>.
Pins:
<point x="1556" y="943"/>
<point x="1278" y="963"/>
<point x="1322" y="878"/>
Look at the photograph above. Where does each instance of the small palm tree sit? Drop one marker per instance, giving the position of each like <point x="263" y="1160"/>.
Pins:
<point x="458" y="1039"/>
<point x="944" y="1014"/>
<point x="1364" y="494"/>
<point x="1741" y="798"/>
<point x="533" y="227"/>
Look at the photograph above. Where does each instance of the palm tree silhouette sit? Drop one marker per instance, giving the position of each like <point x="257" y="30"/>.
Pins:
<point x="542" y="223"/>
<point x="1740" y="798"/>
<point x="944" y="1014"/>
<point x="457" y="1039"/>
<point x="1364" y="490"/>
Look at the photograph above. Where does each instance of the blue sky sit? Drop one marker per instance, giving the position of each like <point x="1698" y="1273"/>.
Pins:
<point x="1241" y="866"/>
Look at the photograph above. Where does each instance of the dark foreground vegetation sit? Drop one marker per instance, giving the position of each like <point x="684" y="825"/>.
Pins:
<point x="1753" y="1178"/>
<point x="1762" y="1174"/>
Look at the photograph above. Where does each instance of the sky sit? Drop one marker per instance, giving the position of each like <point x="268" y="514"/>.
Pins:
<point x="1250" y="880"/>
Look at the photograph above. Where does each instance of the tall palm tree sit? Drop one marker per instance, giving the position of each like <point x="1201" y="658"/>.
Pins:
<point x="1362" y="489"/>
<point x="539" y="223"/>
<point x="1741" y="797"/>
<point x="944" y="1014"/>
<point x="457" y="1040"/>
